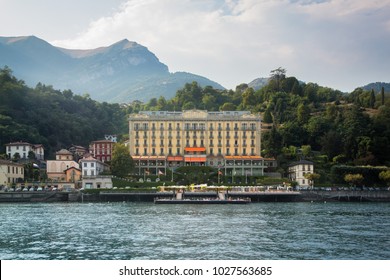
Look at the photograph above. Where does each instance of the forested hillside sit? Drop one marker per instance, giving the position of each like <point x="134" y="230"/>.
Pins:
<point x="306" y="119"/>
<point x="53" y="118"/>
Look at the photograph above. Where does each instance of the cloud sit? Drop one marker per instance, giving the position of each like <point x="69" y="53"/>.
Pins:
<point x="235" y="41"/>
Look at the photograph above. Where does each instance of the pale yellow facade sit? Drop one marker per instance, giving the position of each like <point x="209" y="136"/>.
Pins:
<point x="230" y="140"/>
<point x="11" y="173"/>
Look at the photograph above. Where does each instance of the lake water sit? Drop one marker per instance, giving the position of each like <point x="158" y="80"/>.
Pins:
<point x="272" y="231"/>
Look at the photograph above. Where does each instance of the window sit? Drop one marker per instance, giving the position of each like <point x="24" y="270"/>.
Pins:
<point x="85" y="164"/>
<point x="92" y="164"/>
<point x="253" y="126"/>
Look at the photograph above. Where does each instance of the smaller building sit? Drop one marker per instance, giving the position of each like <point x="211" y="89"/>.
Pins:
<point x="10" y="173"/>
<point x="23" y="149"/>
<point x="298" y="170"/>
<point x="72" y="174"/>
<point x="56" y="169"/>
<point x="78" y="151"/>
<point x="101" y="150"/>
<point x="97" y="182"/>
<point x="92" y="167"/>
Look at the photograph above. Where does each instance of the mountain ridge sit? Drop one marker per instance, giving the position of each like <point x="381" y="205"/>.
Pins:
<point x="113" y="73"/>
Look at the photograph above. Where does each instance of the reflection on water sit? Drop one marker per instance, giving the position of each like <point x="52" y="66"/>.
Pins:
<point x="148" y="231"/>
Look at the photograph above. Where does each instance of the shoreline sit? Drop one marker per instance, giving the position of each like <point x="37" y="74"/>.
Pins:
<point x="256" y="197"/>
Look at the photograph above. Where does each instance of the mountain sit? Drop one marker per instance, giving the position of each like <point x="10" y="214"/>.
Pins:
<point x="122" y="72"/>
<point x="258" y="83"/>
<point x="377" y="87"/>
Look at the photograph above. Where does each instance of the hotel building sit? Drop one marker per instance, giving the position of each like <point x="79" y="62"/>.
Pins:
<point x="229" y="141"/>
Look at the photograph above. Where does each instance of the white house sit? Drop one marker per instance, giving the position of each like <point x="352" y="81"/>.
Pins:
<point x="90" y="166"/>
<point x="23" y="148"/>
<point x="297" y="171"/>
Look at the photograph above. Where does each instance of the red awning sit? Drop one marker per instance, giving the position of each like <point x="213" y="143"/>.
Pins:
<point x="195" y="149"/>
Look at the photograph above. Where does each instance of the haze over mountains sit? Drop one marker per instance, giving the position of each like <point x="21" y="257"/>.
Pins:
<point x="122" y="72"/>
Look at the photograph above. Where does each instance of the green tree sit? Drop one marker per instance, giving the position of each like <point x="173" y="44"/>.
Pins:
<point x="354" y="179"/>
<point x="372" y="99"/>
<point x="385" y="176"/>
<point x="306" y="150"/>
<point x="267" y="117"/>
<point x="121" y="162"/>
<point x="228" y="106"/>
<point x="312" y="177"/>
<point x="276" y="78"/>
<point x="303" y="113"/>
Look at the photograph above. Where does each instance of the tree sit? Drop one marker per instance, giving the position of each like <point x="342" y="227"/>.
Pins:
<point x="383" y="95"/>
<point x="303" y="113"/>
<point x="267" y="117"/>
<point x="121" y="162"/>
<point x="354" y="179"/>
<point x="385" y="176"/>
<point x="312" y="177"/>
<point x="276" y="77"/>
<point x="228" y="106"/>
<point x="372" y="99"/>
<point x="306" y="150"/>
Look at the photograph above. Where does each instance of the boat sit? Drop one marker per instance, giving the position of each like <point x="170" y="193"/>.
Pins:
<point x="201" y="201"/>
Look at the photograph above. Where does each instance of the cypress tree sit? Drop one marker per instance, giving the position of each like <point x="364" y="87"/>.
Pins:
<point x="383" y="95"/>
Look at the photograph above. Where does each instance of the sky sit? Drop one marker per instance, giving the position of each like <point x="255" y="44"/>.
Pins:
<point x="342" y="44"/>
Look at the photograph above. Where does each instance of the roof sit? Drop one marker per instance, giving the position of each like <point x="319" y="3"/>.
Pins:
<point x="7" y="162"/>
<point x="19" y="144"/>
<point x="302" y="162"/>
<point x="103" y="141"/>
<point x="63" y="152"/>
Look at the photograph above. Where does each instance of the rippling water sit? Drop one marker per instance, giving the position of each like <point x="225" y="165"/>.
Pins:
<point x="146" y="231"/>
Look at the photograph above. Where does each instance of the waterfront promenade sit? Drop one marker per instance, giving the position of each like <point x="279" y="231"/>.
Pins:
<point x="261" y="196"/>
